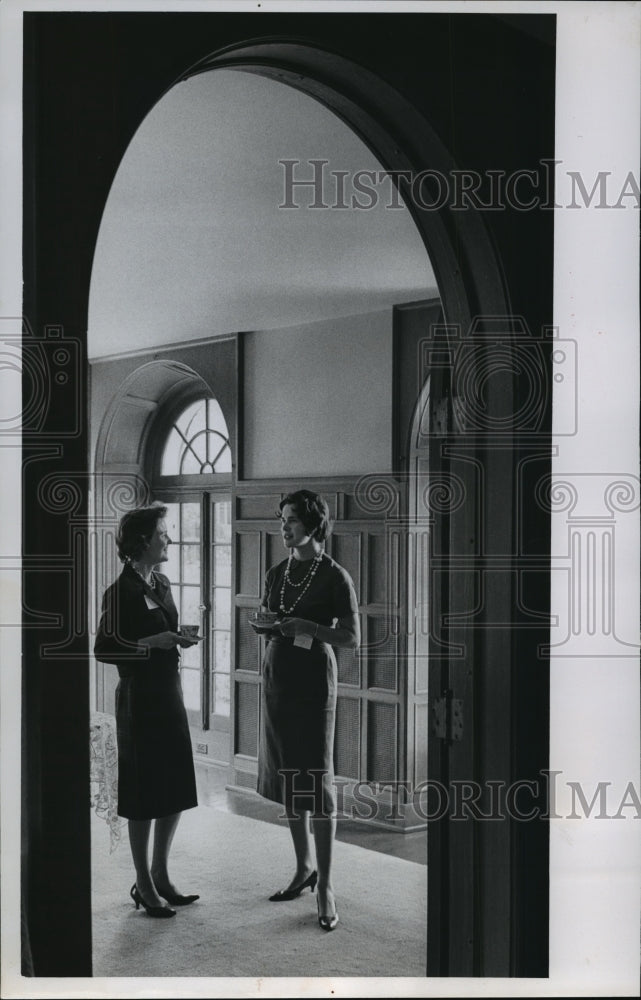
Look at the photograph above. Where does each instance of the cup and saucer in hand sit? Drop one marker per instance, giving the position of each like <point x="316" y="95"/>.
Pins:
<point x="190" y="633"/>
<point x="263" y="622"/>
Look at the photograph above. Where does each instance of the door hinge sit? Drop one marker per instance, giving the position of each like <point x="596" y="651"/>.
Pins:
<point x="447" y="717"/>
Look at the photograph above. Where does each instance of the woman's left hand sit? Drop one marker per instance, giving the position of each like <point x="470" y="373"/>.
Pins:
<point x="296" y="626"/>
<point x="185" y="643"/>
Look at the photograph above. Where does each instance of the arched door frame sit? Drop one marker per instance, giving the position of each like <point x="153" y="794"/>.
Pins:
<point x="182" y="383"/>
<point x="471" y="284"/>
<point x="468" y="272"/>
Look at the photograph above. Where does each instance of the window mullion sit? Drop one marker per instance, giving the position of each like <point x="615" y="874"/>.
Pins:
<point x="207" y="651"/>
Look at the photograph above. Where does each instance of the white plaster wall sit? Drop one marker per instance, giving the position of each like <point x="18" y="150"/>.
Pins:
<point x="193" y="242"/>
<point x="318" y="398"/>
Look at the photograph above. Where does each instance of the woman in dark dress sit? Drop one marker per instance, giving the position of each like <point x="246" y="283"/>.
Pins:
<point x="317" y="608"/>
<point x="138" y="632"/>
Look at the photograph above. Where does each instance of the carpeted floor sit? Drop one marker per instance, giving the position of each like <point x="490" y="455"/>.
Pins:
<point x="235" y="863"/>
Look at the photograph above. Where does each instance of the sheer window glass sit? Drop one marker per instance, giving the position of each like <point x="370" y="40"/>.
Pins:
<point x="184" y="571"/>
<point x="198" y="442"/>
<point x="200" y="558"/>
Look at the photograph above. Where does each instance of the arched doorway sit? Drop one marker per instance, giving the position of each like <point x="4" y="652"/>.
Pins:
<point x="382" y="721"/>
<point x="305" y="406"/>
<point x="471" y="273"/>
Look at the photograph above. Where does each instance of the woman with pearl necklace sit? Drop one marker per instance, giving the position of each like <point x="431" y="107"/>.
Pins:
<point x="317" y="610"/>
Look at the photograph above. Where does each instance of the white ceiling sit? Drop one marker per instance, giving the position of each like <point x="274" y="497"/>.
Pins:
<point x="193" y="242"/>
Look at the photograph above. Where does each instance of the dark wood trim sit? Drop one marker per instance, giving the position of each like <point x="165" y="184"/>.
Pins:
<point x="205" y="571"/>
<point x="239" y="456"/>
<point x="406" y="379"/>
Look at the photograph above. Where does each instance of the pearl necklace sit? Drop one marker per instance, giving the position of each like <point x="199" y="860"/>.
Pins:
<point x="304" y="583"/>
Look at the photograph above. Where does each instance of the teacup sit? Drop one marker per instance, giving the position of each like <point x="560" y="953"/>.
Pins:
<point x="189" y="631"/>
<point x="265" y="617"/>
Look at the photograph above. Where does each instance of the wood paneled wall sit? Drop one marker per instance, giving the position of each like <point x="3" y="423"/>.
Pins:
<point x="372" y="743"/>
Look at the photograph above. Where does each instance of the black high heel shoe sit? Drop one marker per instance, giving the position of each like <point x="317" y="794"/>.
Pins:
<point x="283" y="895"/>
<point x="326" y="923"/>
<point x="152" y="911"/>
<point x="176" y="899"/>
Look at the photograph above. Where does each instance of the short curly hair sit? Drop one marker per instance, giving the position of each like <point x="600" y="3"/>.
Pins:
<point x="312" y="509"/>
<point x="136" y="528"/>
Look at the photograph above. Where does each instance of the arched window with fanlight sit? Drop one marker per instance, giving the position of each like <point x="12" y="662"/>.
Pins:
<point x="192" y="475"/>
<point x="198" y="441"/>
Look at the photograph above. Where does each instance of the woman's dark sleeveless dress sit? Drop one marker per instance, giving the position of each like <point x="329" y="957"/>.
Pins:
<point x="155" y="762"/>
<point x="295" y="762"/>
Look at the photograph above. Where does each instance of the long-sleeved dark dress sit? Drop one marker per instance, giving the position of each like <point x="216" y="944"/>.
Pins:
<point x="155" y="762"/>
<point x="295" y="761"/>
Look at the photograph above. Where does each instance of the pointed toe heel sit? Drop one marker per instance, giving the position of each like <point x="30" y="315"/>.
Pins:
<point x="152" y="911"/>
<point x="283" y="895"/>
<point x="324" y="922"/>
<point x="175" y="898"/>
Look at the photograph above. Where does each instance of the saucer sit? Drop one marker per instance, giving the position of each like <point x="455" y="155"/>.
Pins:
<point x="262" y="627"/>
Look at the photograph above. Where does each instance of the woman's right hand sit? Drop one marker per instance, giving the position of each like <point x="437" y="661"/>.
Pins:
<point x="162" y="640"/>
